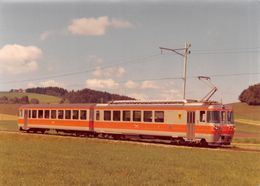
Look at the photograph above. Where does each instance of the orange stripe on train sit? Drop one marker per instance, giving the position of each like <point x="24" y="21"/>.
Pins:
<point x="123" y="125"/>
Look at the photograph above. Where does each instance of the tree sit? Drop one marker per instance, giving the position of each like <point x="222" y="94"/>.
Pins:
<point x="34" y="101"/>
<point x="251" y="95"/>
<point x="3" y="99"/>
<point x="24" y="100"/>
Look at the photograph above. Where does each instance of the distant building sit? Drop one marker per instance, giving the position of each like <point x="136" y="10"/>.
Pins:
<point x="17" y="90"/>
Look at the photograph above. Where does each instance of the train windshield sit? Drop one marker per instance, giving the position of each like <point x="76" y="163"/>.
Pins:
<point x="213" y="117"/>
<point x="230" y="117"/>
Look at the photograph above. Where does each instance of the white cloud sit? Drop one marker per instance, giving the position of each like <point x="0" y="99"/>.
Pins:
<point x="149" y="85"/>
<point x="101" y="84"/>
<point x="51" y="83"/>
<point x="143" y="85"/>
<point x="95" y="60"/>
<point x="139" y="96"/>
<point x="89" y="26"/>
<point x="16" y="59"/>
<point x="109" y="72"/>
<point x="31" y="85"/>
<point x="117" y="23"/>
<point x="96" y="26"/>
<point x="45" y="35"/>
<point x="131" y="84"/>
<point x="47" y="83"/>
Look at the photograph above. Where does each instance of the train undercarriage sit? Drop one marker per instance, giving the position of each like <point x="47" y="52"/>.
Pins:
<point x="131" y="137"/>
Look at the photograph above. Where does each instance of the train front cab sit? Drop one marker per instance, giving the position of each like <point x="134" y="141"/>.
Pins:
<point x="222" y="126"/>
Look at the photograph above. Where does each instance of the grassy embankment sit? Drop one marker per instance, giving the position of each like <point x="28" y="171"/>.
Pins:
<point x="247" y="119"/>
<point x="41" y="97"/>
<point x="246" y="112"/>
<point x="8" y="112"/>
<point x="54" y="160"/>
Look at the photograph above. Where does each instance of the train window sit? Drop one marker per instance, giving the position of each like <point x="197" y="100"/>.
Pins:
<point x="75" y="114"/>
<point x="20" y="113"/>
<point x="60" y="114"/>
<point x="53" y="114"/>
<point x="126" y="115"/>
<point x="148" y="116"/>
<point x="230" y="117"/>
<point x="136" y="115"/>
<point x="159" y="116"/>
<point x="116" y="115"/>
<point x="97" y="115"/>
<point x="46" y="114"/>
<point x="83" y="114"/>
<point x="67" y="114"/>
<point x="107" y="115"/>
<point x="34" y="113"/>
<point x="213" y="117"/>
<point x="30" y="114"/>
<point x="223" y="117"/>
<point x="203" y="116"/>
<point x="40" y="113"/>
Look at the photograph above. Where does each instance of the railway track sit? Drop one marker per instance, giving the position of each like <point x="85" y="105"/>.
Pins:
<point x="165" y="144"/>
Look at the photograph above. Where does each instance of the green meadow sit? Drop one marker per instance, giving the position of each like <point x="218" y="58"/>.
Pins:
<point x="41" y="97"/>
<point x="54" y="160"/>
<point x="59" y="160"/>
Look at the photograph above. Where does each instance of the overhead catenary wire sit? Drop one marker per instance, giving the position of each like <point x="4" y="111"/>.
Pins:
<point x="174" y="78"/>
<point x="141" y="60"/>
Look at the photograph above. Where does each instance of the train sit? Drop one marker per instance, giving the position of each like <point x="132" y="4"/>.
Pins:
<point x="204" y="123"/>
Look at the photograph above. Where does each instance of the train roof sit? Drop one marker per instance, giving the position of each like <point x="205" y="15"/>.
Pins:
<point x="132" y="104"/>
<point x="73" y="105"/>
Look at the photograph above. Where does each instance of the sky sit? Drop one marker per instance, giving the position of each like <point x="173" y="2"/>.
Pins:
<point x="114" y="45"/>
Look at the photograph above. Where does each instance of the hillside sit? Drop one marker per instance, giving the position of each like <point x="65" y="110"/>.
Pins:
<point x="78" y="96"/>
<point x="41" y="97"/>
<point x="245" y="111"/>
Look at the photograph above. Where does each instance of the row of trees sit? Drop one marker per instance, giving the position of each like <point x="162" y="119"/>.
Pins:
<point x="92" y="96"/>
<point x="79" y="96"/>
<point x="16" y="100"/>
<point x="251" y="95"/>
<point x="52" y="91"/>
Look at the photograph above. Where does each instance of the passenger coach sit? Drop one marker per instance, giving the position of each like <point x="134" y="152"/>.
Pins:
<point x="185" y="121"/>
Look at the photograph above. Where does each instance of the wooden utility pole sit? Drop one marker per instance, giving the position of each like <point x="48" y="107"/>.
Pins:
<point x="185" y="53"/>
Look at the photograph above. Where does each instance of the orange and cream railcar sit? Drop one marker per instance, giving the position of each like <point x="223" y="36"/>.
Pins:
<point x="185" y="121"/>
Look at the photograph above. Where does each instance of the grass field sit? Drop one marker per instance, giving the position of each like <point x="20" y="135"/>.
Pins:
<point x="9" y="125"/>
<point x="52" y="160"/>
<point x="41" y="97"/>
<point x="55" y="160"/>
<point x="7" y="117"/>
<point x="10" y="109"/>
<point x="244" y="111"/>
<point x="247" y="133"/>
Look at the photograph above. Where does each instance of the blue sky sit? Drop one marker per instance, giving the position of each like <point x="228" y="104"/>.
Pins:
<point x="113" y="46"/>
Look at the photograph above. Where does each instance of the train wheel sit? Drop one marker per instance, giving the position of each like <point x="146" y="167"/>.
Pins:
<point x="42" y="131"/>
<point x="123" y="137"/>
<point x="203" y="143"/>
<point x="174" y="141"/>
<point x="181" y="141"/>
<point x="116" y="137"/>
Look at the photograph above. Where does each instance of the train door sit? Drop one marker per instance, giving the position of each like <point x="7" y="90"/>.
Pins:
<point x="91" y="119"/>
<point x="190" y="128"/>
<point x="26" y="115"/>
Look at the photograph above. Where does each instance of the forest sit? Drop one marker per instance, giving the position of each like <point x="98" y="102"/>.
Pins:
<point x="79" y="96"/>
